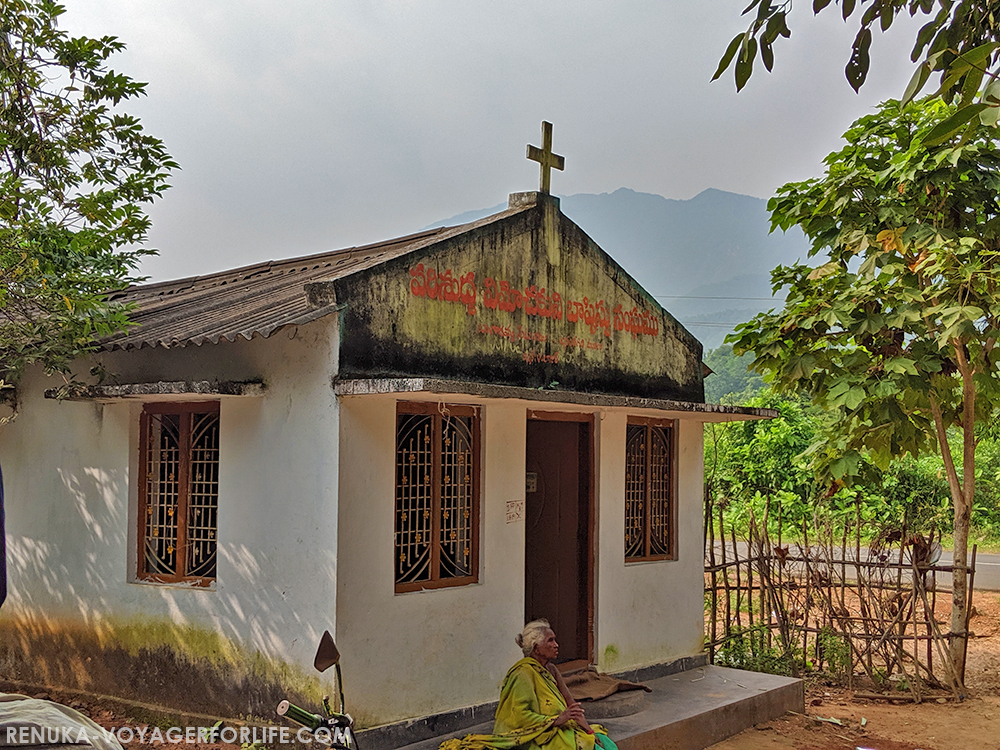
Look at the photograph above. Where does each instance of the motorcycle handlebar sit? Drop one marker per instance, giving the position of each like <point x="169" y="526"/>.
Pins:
<point x="300" y="715"/>
<point x="311" y="720"/>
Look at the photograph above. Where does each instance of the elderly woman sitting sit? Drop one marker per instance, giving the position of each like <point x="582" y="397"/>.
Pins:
<point x="536" y="710"/>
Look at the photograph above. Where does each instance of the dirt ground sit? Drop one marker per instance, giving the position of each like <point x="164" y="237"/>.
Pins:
<point x="835" y="718"/>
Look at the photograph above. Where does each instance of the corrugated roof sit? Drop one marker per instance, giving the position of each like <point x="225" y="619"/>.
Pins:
<point x="254" y="300"/>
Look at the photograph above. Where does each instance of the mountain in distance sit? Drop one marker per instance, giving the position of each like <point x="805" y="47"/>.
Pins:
<point x="707" y="259"/>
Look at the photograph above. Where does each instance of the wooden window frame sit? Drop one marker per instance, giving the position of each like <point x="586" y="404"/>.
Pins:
<point x="670" y="428"/>
<point x="438" y="411"/>
<point x="184" y="468"/>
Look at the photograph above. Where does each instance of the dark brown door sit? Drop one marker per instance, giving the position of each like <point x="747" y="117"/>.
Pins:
<point x="557" y="579"/>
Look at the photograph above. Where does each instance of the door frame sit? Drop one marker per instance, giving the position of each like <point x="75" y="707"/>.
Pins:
<point x="587" y="418"/>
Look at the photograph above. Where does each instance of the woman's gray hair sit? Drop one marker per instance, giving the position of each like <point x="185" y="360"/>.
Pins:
<point x="532" y="635"/>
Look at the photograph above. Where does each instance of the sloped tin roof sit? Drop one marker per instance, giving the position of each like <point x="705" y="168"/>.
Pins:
<point x="255" y="300"/>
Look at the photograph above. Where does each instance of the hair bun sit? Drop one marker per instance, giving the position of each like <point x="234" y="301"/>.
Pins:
<point x="519" y="640"/>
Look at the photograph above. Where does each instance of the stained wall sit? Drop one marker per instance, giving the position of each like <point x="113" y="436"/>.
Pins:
<point x="76" y="616"/>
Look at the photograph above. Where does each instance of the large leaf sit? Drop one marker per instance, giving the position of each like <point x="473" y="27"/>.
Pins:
<point x="744" y="63"/>
<point x="917" y="82"/>
<point x="727" y="58"/>
<point x="953" y="124"/>
<point x="823" y="271"/>
<point x="857" y="67"/>
<point x="767" y="55"/>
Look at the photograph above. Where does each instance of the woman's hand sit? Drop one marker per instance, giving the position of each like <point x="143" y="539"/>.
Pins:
<point x="582" y="721"/>
<point x="572" y="713"/>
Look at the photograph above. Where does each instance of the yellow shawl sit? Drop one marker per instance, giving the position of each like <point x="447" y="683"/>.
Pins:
<point x="529" y="702"/>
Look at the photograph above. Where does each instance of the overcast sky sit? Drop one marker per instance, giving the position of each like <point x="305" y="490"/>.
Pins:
<point x="310" y="125"/>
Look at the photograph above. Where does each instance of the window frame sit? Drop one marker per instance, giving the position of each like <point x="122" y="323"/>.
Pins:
<point x="437" y="411"/>
<point x="184" y="468"/>
<point x="669" y="426"/>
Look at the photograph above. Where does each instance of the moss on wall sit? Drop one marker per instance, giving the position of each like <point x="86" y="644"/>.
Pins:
<point x="153" y="660"/>
<point x="525" y="299"/>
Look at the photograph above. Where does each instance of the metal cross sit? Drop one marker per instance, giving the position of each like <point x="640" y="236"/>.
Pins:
<point x="545" y="158"/>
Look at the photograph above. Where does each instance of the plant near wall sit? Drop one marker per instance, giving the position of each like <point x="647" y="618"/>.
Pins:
<point x="893" y="334"/>
<point x="75" y="177"/>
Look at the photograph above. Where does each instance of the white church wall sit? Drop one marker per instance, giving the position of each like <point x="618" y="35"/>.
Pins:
<point x="418" y="653"/>
<point x="70" y="472"/>
<point x="648" y="612"/>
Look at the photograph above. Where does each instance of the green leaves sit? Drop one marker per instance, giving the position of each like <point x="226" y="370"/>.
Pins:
<point x="744" y="63"/>
<point x="917" y="82"/>
<point x="730" y="53"/>
<point x="846" y="395"/>
<point x="857" y="67"/>
<point x="953" y="125"/>
<point x="905" y="227"/>
<point x="845" y="465"/>
<point x="769" y="23"/>
<point x="961" y="42"/>
<point x="75" y="175"/>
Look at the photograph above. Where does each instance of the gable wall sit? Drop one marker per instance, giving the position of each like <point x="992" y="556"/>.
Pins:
<point x="75" y="619"/>
<point x="592" y="329"/>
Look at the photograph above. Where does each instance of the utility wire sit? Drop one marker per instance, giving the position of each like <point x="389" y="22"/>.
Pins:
<point x="683" y="296"/>
<point x="712" y="325"/>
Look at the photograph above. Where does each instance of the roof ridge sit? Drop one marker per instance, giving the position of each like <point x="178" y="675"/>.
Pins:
<point x="261" y="297"/>
<point x="254" y="268"/>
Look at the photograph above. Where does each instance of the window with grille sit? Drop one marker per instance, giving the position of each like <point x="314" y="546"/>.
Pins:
<point x="178" y="492"/>
<point x="649" y="490"/>
<point x="437" y="496"/>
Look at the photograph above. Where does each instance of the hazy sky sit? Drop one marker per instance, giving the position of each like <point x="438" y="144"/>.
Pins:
<point x="309" y="125"/>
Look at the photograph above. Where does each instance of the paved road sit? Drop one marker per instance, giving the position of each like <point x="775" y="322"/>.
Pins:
<point x="987" y="566"/>
<point x="987" y="571"/>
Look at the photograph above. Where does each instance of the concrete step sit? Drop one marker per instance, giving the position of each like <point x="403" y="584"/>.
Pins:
<point x="686" y="711"/>
<point x="615" y="705"/>
<point x="697" y="708"/>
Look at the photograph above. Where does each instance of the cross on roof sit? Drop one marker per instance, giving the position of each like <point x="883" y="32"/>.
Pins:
<point x="545" y="158"/>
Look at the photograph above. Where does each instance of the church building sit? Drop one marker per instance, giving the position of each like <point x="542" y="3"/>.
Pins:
<point x="417" y="444"/>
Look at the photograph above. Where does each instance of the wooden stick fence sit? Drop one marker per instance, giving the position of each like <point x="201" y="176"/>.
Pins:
<point x="834" y="604"/>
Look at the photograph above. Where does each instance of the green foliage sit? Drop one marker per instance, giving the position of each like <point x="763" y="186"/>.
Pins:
<point x="836" y="651"/>
<point x="748" y="649"/>
<point x="762" y="457"/>
<point x="74" y="176"/>
<point x="915" y="489"/>
<point x="960" y="43"/>
<point x="903" y="311"/>
<point x="748" y="462"/>
<point x="731" y="376"/>
<point x="986" y="507"/>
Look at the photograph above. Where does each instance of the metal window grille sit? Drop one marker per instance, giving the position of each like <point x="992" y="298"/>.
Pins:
<point x="436" y="496"/>
<point x="649" y="491"/>
<point x="179" y="492"/>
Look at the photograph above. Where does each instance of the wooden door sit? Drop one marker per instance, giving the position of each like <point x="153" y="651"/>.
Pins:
<point x="558" y="559"/>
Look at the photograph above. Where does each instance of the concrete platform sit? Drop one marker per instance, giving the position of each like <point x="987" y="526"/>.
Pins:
<point x="687" y="711"/>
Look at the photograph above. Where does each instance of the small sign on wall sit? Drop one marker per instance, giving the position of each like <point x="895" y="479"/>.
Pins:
<point x="515" y="511"/>
<point x="531" y="482"/>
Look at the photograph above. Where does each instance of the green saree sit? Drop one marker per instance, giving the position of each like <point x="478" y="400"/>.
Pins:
<point x="529" y="703"/>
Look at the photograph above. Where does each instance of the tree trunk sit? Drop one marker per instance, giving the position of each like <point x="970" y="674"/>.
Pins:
<point x="960" y="590"/>
<point x="960" y="541"/>
<point x="962" y="503"/>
